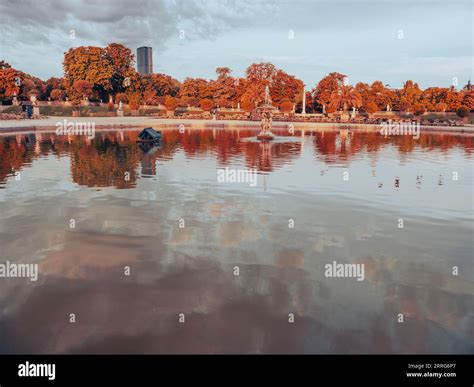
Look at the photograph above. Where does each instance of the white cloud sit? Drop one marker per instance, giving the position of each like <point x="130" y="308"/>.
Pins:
<point x="358" y="37"/>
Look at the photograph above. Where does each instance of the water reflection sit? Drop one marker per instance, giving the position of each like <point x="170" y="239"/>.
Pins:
<point x="127" y="201"/>
<point x="102" y="162"/>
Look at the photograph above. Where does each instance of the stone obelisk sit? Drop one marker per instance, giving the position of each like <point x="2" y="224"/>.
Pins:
<point x="303" y="109"/>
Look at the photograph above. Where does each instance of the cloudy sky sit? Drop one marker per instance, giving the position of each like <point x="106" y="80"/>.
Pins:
<point x="429" y="41"/>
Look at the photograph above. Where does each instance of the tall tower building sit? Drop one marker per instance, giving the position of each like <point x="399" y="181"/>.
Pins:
<point x="144" y="60"/>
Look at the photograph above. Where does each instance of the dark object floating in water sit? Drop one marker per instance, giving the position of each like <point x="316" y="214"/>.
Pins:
<point x="149" y="147"/>
<point x="149" y="135"/>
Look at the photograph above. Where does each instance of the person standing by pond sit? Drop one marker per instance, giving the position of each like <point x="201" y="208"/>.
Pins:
<point x="27" y="108"/>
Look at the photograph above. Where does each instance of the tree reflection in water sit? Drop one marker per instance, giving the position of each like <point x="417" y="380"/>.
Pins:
<point x="108" y="158"/>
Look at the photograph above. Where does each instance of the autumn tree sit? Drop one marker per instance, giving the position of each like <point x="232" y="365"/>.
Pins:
<point x="286" y="105"/>
<point x="193" y="90"/>
<point x="240" y="85"/>
<point x="247" y="105"/>
<point x="370" y="107"/>
<point x="170" y="102"/>
<point x="432" y="96"/>
<point x="261" y="72"/>
<point x="282" y="85"/>
<point x="419" y="109"/>
<point x="121" y="97"/>
<point x="366" y="93"/>
<point x="468" y="99"/>
<point x="258" y="76"/>
<point x="223" y="72"/>
<point x="410" y="95"/>
<point x="121" y="58"/>
<point x="346" y="97"/>
<point x="57" y="94"/>
<point x="9" y="82"/>
<point x="150" y="97"/>
<point x="440" y="107"/>
<point x="326" y="87"/>
<point x="124" y="77"/>
<point x="381" y="95"/>
<point x="225" y="89"/>
<point x="52" y="84"/>
<point x="83" y="88"/>
<point x="404" y="106"/>
<point x="156" y="86"/>
<point x="462" y="111"/>
<point x="375" y="93"/>
<point x="16" y="82"/>
<point x="286" y="87"/>
<point x="110" y="70"/>
<point x="453" y="99"/>
<point x="253" y="95"/>
<point x="134" y="101"/>
<point x="90" y="64"/>
<point x="206" y="104"/>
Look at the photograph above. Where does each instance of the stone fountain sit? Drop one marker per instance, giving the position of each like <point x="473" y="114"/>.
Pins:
<point x="265" y="112"/>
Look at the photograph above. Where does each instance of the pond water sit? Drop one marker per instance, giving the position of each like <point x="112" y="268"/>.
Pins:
<point x="145" y="250"/>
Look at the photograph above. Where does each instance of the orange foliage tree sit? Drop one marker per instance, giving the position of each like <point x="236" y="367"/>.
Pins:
<point x="258" y="76"/>
<point x="409" y="96"/>
<point x="9" y="82"/>
<point x="110" y="70"/>
<point x="54" y="83"/>
<point x="121" y="97"/>
<point x="225" y="89"/>
<point x="282" y="85"/>
<point x="346" y="97"/>
<point x="170" y="102"/>
<point x="124" y="77"/>
<point x="370" y="107"/>
<point x="468" y="99"/>
<point x="150" y="97"/>
<point x="326" y="87"/>
<point x="57" y="94"/>
<point x="89" y="64"/>
<point x="193" y="90"/>
<point x="419" y="109"/>
<point x="134" y="101"/>
<point x="83" y="88"/>
<point x="286" y="105"/>
<point x="206" y="104"/>
<point x="16" y="82"/>
<point x="159" y="85"/>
